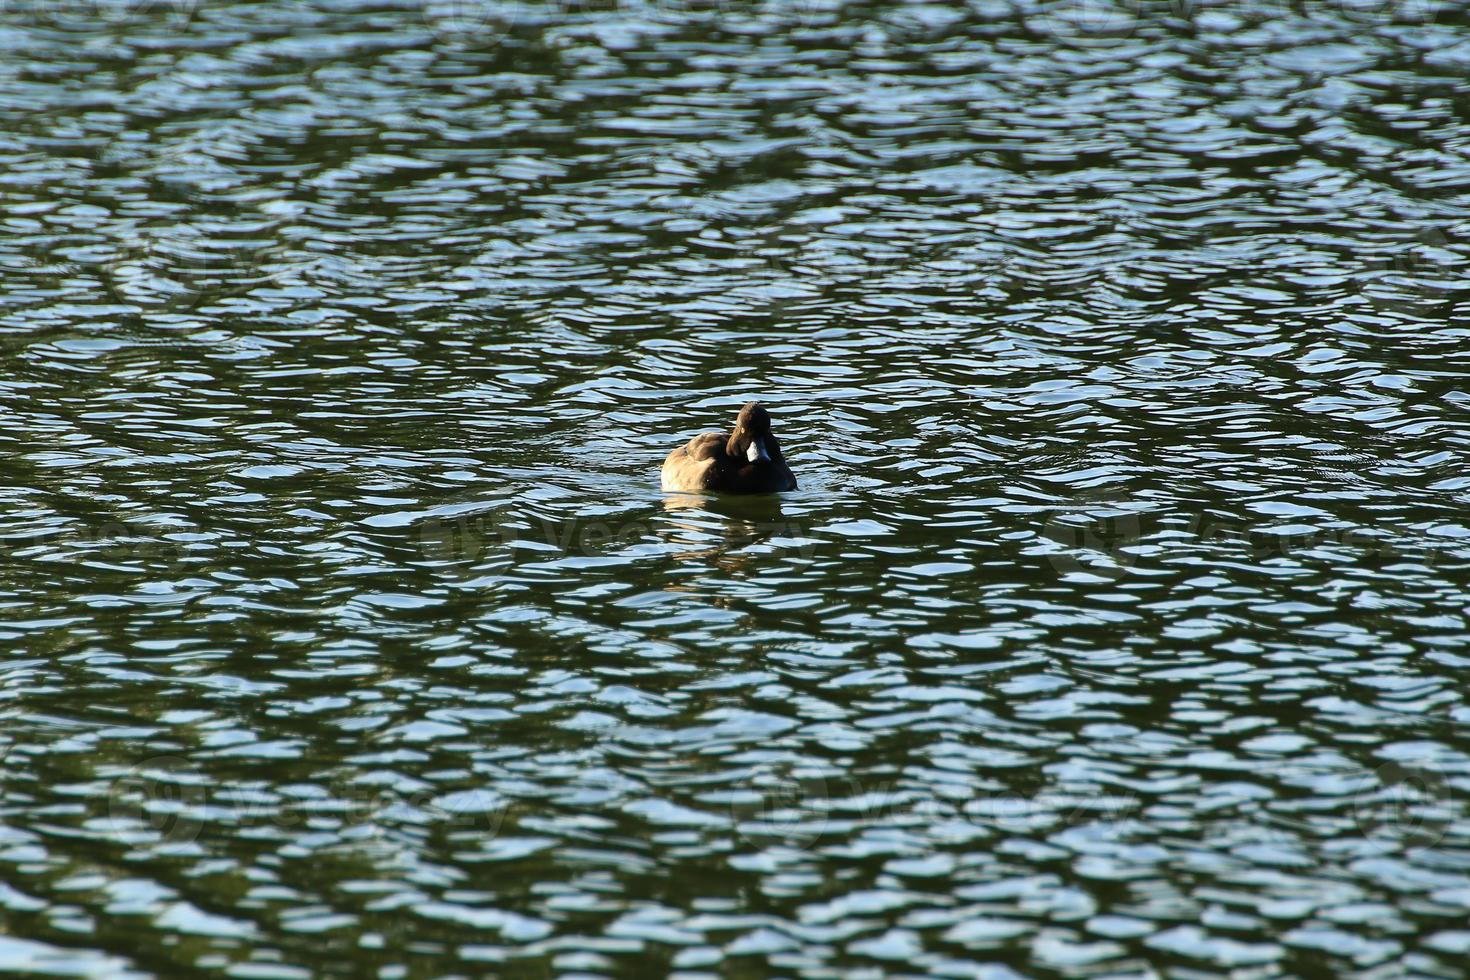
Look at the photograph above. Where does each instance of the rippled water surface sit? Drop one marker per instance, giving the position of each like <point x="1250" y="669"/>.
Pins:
<point x="1119" y="624"/>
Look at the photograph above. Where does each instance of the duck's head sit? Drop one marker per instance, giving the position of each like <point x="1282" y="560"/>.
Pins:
<point x="752" y="440"/>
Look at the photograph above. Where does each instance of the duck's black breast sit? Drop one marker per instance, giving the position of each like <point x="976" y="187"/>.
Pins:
<point x="736" y="475"/>
<point x="761" y="478"/>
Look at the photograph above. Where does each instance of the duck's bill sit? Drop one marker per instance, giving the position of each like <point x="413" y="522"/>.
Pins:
<point x="757" y="452"/>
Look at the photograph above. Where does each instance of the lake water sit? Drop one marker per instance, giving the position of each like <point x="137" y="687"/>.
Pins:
<point x="1120" y="621"/>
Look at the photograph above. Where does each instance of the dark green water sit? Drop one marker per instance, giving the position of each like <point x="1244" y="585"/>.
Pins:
<point x="1119" y="626"/>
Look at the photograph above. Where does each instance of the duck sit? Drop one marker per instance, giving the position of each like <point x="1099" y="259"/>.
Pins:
<point x="746" y="459"/>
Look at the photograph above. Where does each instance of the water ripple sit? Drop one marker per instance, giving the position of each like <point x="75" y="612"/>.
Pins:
<point x="1115" y="628"/>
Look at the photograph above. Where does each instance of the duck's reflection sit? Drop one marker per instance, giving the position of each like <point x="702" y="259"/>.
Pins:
<point x="721" y="529"/>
